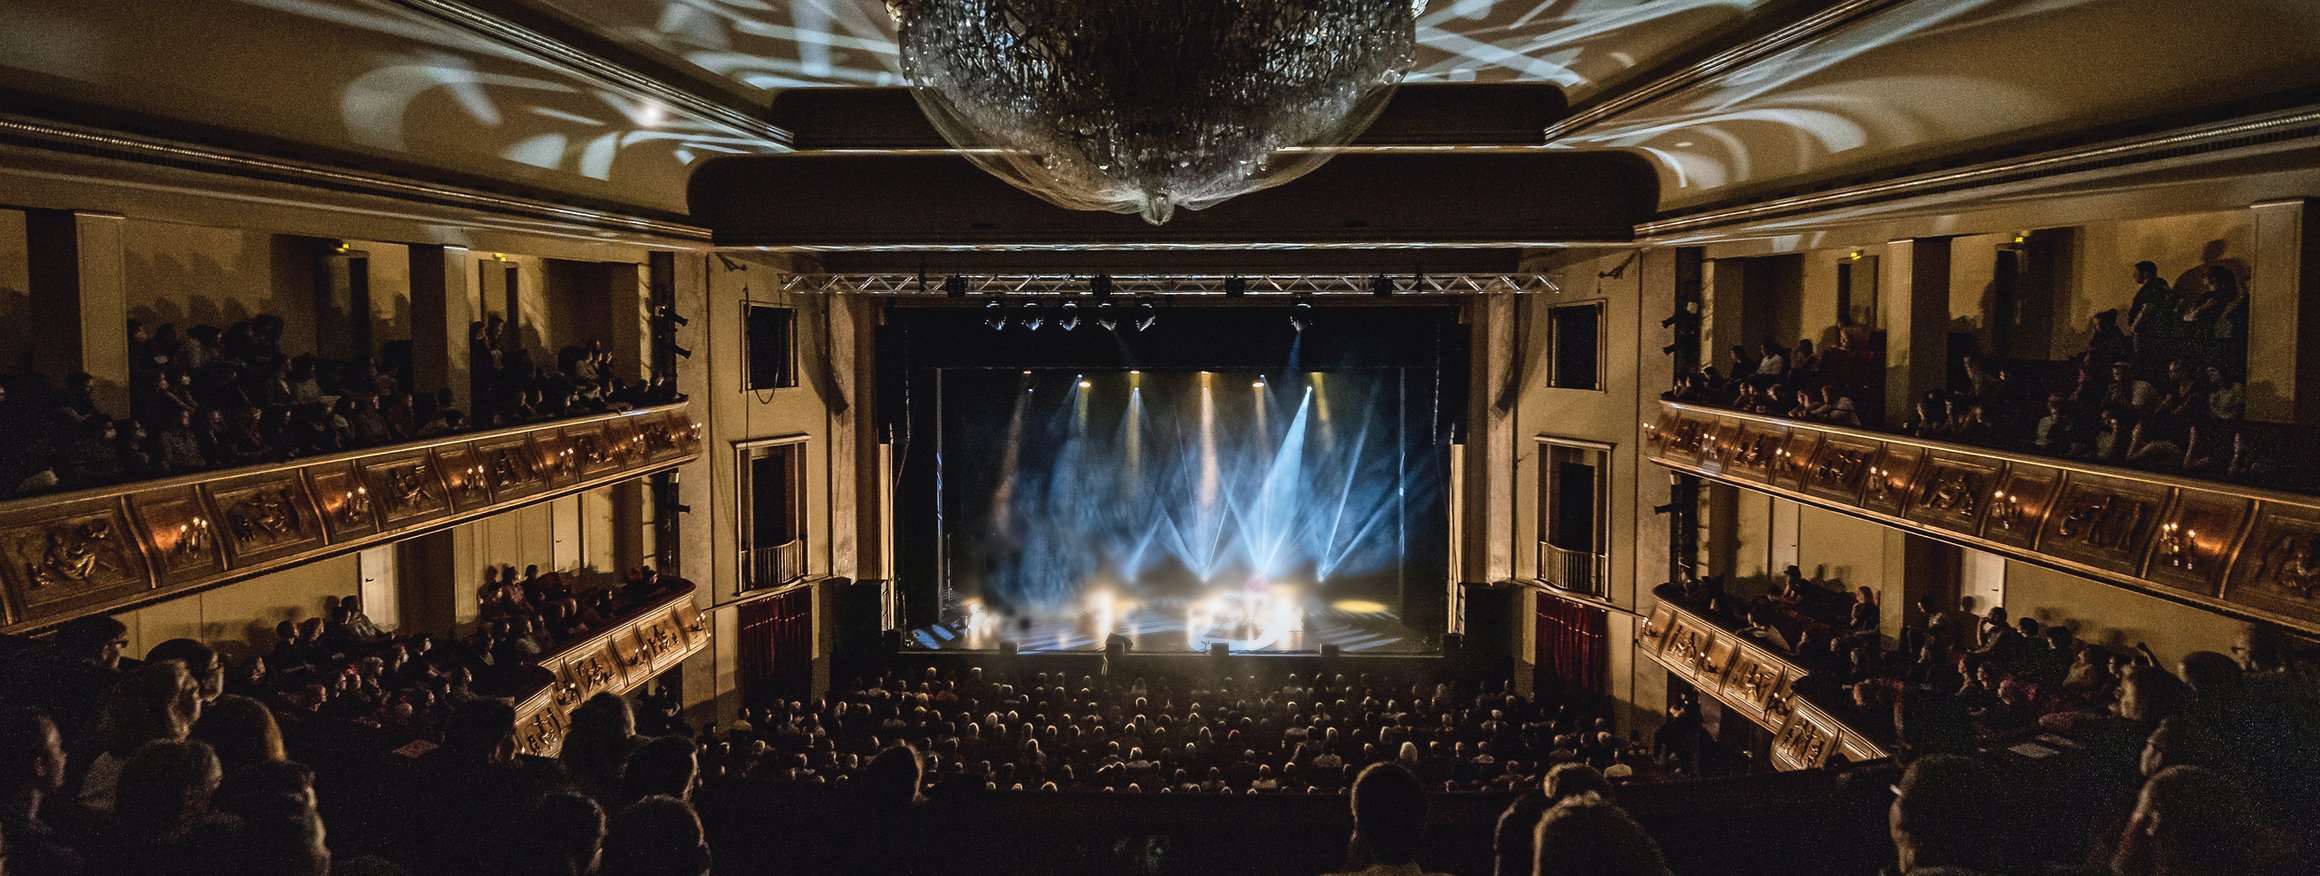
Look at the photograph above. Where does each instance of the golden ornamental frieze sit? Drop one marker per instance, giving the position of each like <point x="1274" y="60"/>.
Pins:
<point x="2239" y="549"/>
<point x="103" y="549"/>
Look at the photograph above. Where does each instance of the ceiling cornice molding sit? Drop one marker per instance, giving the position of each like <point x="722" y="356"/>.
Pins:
<point x="618" y="77"/>
<point x="78" y="140"/>
<point x="1815" y="24"/>
<point x="2301" y="123"/>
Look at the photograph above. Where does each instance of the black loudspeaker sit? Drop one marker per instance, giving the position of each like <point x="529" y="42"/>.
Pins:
<point x="1331" y="652"/>
<point x="1489" y="620"/>
<point x="1116" y="647"/>
<point x="1008" y="648"/>
<point x="857" y="628"/>
<point x="1219" y="649"/>
<point x="1453" y="644"/>
<point x="890" y="641"/>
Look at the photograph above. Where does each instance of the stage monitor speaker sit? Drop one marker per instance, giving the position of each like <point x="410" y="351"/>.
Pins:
<point x="1489" y="620"/>
<point x="1219" y="649"/>
<point x="1008" y="648"/>
<point x="890" y="641"/>
<point x="1331" y="652"/>
<point x="1453" y="644"/>
<point x="1116" y="647"/>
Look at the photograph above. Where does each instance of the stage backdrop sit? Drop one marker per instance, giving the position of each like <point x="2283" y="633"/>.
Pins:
<point x="1221" y="451"/>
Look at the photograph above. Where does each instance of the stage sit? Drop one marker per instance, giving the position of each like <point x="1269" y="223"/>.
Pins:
<point x="1177" y="625"/>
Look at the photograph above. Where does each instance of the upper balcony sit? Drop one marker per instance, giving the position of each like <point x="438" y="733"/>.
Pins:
<point x="2240" y="549"/>
<point x="112" y="547"/>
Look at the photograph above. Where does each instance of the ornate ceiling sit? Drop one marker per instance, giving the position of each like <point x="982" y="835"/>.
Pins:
<point x="416" y="88"/>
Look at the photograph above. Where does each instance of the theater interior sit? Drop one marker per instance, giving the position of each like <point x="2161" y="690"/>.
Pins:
<point x="1478" y="437"/>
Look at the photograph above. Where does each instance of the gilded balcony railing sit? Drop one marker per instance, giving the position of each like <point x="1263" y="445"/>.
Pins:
<point x="644" y="644"/>
<point x="1758" y="682"/>
<point x="68" y="554"/>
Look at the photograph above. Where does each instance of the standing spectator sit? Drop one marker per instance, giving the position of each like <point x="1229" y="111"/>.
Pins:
<point x="2109" y="342"/>
<point x="1588" y="836"/>
<point x="2152" y="314"/>
<point x="1945" y="818"/>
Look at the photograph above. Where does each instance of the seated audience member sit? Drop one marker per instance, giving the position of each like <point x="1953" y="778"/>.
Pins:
<point x="2129" y="392"/>
<point x="1588" y="836"/>
<point x="565" y="838"/>
<point x="664" y="766"/>
<point x="207" y="668"/>
<point x="1512" y="842"/>
<point x="655" y="836"/>
<point x="2190" y="821"/>
<point x="2108" y="342"/>
<point x="156" y="702"/>
<point x="70" y="681"/>
<point x="601" y="737"/>
<point x="1946" y="819"/>
<point x="161" y="804"/>
<point x="2226" y="394"/>
<point x="1389" y="819"/>
<point x="32" y="771"/>
<point x="241" y="731"/>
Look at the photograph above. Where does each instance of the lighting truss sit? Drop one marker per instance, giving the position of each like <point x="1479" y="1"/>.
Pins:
<point x="1172" y="285"/>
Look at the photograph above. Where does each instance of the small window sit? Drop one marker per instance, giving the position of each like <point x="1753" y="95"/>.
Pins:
<point x="773" y="527"/>
<point x="1576" y="360"/>
<point x="772" y="347"/>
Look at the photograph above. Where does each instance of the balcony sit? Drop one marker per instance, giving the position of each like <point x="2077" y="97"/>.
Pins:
<point x="68" y="554"/>
<point x="1757" y="682"/>
<point x="770" y="567"/>
<point x="1579" y="572"/>
<point x="643" y="645"/>
<point x="2242" y="550"/>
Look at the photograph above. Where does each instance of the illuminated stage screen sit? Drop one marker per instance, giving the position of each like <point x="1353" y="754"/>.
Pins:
<point x="1218" y="477"/>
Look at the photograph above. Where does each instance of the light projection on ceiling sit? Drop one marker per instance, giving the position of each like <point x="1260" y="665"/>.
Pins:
<point x="763" y="45"/>
<point x="1929" y="79"/>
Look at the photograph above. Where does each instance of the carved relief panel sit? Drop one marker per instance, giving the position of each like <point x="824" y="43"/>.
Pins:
<point x="588" y="671"/>
<point x="662" y="640"/>
<point x="1653" y="636"/>
<point x="464" y="476"/>
<point x="1795" y="462"/>
<point x="1953" y="492"/>
<point x="2020" y="504"/>
<point x="1805" y="741"/>
<point x="2279" y="566"/>
<point x="349" y="508"/>
<point x="1891" y="479"/>
<point x="627" y="446"/>
<point x="1756" y="679"/>
<point x="557" y="460"/>
<point x="592" y="449"/>
<point x="1718" y="444"/>
<point x="1688" y="641"/>
<point x="1657" y="435"/>
<point x="542" y="730"/>
<point x="1754" y="450"/>
<point x="2195" y="540"/>
<point x="1683" y="438"/>
<point x="2103" y="522"/>
<point x="182" y="533"/>
<point x="265" y="516"/>
<point x="513" y="467"/>
<point x="58" y="556"/>
<point x="408" y="486"/>
<point x="1839" y="468"/>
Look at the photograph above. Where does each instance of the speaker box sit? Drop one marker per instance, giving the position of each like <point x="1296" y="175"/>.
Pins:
<point x="1116" y="647"/>
<point x="1008" y="648"/>
<point x="859" y="626"/>
<point x="1331" y="652"/>
<point x="1489" y="620"/>
<point x="1219" y="649"/>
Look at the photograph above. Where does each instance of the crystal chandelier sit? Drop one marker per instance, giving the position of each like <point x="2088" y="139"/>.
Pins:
<point x="1147" y="106"/>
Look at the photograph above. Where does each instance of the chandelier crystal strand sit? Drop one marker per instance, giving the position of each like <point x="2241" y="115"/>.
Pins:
<point x="1149" y="106"/>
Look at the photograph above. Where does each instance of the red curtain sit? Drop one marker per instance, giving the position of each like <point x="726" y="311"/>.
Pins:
<point x="1572" y="647"/>
<point x="777" y="647"/>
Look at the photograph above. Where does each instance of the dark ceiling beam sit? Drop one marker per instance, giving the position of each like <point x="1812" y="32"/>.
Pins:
<point x="1776" y="30"/>
<point x="810" y="201"/>
<point x="557" y="42"/>
<point x="1464" y="114"/>
<point x="1364" y="262"/>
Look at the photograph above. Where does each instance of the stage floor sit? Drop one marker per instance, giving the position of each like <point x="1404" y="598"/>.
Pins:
<point x="1163" y="628"/>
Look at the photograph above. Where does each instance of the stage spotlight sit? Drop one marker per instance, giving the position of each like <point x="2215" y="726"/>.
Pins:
<point x="1070" y="318"/>
<point x="955" y="286"/>
<point x="1031" y="318"/>
<point x="995" y="316"/>
<point x="1084" y="384"/>
<point x="1107" y="317"/>
<point x="681" y="352"/>
<point x="1301" y="316"/>
<point x="671" y="316"/>
<point x="1257" y="384"/>
<point x="1381" y="285"/>
<point x="1146" y="314"/>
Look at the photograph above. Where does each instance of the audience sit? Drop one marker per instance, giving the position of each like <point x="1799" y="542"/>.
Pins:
<point x="202" y="399"/>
